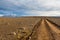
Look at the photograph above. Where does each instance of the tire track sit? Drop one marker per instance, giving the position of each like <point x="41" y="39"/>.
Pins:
<point x="33" y="35"/>
<point x="54" y="30"/>
<point x="43" y="32"/>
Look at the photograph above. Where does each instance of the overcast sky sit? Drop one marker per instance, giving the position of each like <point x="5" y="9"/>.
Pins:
<point x="29" y="7"/>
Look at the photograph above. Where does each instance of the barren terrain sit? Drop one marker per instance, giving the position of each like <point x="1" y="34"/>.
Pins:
<point x="30" y="28"/>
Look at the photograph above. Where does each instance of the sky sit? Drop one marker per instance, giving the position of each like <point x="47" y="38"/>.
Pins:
<point x="29" y="8"/>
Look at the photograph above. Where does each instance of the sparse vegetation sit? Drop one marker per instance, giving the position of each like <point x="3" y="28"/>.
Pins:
<point x="16" y="28"/>
<point x="24" y="28"/>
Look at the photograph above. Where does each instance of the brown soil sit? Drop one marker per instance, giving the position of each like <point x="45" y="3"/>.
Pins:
<point x="30" y="28"/>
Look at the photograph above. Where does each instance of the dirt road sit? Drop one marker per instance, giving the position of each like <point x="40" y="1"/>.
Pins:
<point x="43" y="32"/>
<point x="47" y="31"/>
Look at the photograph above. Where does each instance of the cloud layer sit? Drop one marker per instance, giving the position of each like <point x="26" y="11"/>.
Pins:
<point x="30" y="7"/>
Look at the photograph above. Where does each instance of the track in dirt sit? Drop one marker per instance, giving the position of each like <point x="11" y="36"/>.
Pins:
<point x="45" y="30"/>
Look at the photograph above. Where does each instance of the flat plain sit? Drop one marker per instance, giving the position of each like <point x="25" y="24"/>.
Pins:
<point x="30" y="28"/>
